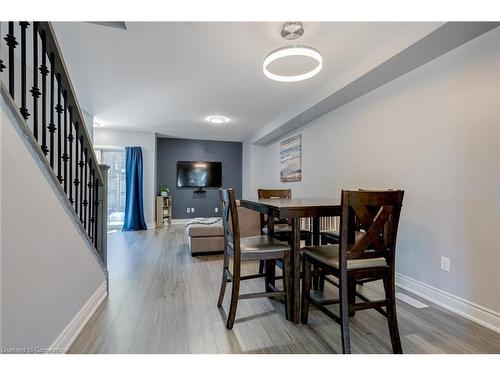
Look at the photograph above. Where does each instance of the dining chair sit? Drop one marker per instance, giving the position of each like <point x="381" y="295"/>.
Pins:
<point x="282" y="228"/>
<point x="365" y="256"/>
<point x="261" y="248"/>
<point x="332" y="236"/>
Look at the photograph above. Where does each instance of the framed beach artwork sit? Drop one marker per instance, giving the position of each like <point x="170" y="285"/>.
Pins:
<point x="291" y="159"/>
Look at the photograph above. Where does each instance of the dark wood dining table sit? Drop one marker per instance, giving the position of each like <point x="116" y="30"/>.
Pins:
<point x="294" y="209"/>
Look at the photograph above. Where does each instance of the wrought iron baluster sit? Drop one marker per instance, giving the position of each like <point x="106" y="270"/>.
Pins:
<point x="23" y="109"/>
<point x="65" y="156"/>
<point x="91" y="206"/>
<point x="2" y="65"/>
<point x="81" y="165"/>
<point x="72" y="149"/>
<point x="52" y="125"/>
<point x="96" y="207"/>
<point x="44" y="71"/>
<point x="70" y="139"/>
<point x="11" y="43"/>
<point x="77" y="165"/>
<point x="59" y="110"/>
<point x="35" y="92"/>
<point x="85" y="201"/>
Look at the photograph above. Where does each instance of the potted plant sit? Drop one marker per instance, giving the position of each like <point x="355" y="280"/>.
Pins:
<point x="164" y="190"/>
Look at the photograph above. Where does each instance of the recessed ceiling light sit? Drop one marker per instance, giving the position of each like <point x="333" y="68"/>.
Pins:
<point x="217" y="120"/>
<point x="292" y="51"/>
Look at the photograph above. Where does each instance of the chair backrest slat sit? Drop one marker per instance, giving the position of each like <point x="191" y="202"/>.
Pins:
<point x="230" y="221"/>
<point x="376" y="214"/>
<point x="274" y="193"/>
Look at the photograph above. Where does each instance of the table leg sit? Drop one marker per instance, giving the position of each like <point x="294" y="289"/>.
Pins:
<point x="315" y="242"/>
<point x="296" y="270"/>
<point x="315" y="222"/>
<point x="270" y="265"/>
<point x="318" y="279"/>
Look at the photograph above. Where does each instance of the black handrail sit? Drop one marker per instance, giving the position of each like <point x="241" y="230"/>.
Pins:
<point x="71" y="157"/>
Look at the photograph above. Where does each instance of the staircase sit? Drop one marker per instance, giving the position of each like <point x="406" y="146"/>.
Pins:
<point x="53" y="198"/>
<point x="35" y="81"/>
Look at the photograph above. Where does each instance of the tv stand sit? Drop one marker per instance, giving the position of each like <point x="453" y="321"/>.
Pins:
<point x="200" y="190"/>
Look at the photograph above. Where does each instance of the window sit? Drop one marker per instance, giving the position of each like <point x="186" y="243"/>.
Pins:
<point x="115" y="158"/>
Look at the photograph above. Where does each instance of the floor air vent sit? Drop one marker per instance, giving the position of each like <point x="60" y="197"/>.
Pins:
<point x="410" y="300"/>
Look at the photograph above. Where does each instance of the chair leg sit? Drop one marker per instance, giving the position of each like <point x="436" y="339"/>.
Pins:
<point x="287" y="278"/>
<point x="315" y="280"/>
<point x="261" y="266"/>
<point x="224" y="281"/>
<point x="344" y="313"/>
<point x="321" y="286"/>
<point x="318" y="282"/>
<point x="234" y="295"/>
<point x="392" y="320"/>
<point x="351" y="297"/>
<point x="270" y="269"/>
<point x="306" y="289"/>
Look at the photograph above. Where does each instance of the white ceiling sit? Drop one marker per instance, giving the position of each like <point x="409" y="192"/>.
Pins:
<point x="167" y="77"/>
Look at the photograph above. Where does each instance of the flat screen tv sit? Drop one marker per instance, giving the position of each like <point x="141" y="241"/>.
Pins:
<point x="199" y="174"/>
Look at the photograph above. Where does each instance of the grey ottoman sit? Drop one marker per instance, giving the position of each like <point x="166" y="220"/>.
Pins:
<point x="209" y="238"/>
<point x="205" y="238"/>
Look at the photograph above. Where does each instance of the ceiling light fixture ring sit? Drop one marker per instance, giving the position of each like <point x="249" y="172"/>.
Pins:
<point x="287" y="51"/>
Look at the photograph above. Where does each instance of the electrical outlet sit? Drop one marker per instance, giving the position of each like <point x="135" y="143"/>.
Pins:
<point x="216" y="209"/>
<point x="445" y="264"/>
<point x="192" y="209"/>
<point x="188" y="210"/>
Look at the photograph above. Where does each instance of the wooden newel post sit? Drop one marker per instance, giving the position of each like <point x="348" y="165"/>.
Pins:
<point x="102" y="217"/>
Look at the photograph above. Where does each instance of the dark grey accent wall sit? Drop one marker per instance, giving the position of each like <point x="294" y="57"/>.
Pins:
<point x="171" y="150"/>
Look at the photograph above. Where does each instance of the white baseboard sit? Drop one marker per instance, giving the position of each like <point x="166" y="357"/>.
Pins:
<point x="470" y="310"/>
<point x="63" y="342"/>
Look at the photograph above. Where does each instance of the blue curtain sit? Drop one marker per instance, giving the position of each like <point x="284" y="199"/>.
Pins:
<point x="134" y="209"/>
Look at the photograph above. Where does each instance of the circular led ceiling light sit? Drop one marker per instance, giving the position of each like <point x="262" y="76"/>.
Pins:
<point x="217" y="120"/>
<point x="292" y="51"/>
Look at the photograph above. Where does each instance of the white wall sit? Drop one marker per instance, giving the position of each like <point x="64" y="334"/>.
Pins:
<point x="246" y="165"/>
<point x="89" y="123"/>
<point x="147" y="141"/>
<point x="435" y="133"/>
<point x="48" y="272"/>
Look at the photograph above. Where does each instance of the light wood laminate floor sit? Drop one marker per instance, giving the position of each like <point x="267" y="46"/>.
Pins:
<point x="162" y="300"/>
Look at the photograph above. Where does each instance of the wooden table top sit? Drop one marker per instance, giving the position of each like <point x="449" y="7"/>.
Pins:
<point x="298" y="202"/>
<point x="295" y="207"/>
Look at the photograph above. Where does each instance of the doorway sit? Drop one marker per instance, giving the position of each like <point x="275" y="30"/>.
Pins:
<point x="115" y="158"/>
